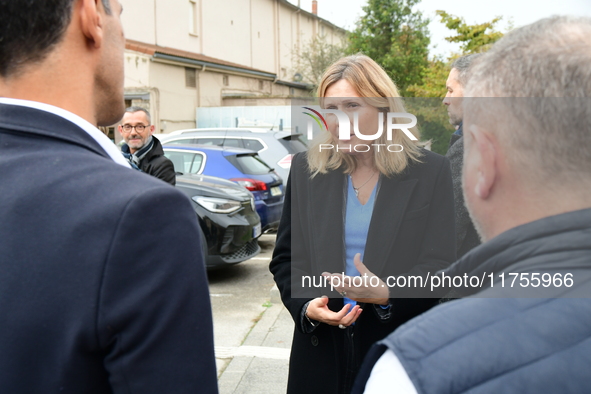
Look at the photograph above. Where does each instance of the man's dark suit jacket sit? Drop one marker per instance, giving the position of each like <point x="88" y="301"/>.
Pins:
<point x="102" y="284"/>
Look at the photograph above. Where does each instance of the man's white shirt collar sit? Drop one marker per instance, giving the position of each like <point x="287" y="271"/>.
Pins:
<point x="95" y="133"/>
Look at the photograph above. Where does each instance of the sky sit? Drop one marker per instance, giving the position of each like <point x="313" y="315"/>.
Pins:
<point x="344" y="13"/>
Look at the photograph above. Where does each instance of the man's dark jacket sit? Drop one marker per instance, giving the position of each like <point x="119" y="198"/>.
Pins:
<point x="100" y="292"/>
<point x="466" y="236"/>
<point x="513" y="337"/>
<point x="156" y="164"/>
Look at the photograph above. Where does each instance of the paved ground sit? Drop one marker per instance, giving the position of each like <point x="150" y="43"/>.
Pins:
<point x="252" y="329"/>
<point x="259" y="365"/>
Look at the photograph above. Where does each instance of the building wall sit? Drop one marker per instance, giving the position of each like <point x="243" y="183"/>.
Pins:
<point x="210" y="89"/>
<point x="138" y="20"/>
<point x="137" y="70"/>
<point x="227" y="31"/>
<point x="177" y="102"/>
<point x="260" y="34"/>
<point x="263" y="38"/>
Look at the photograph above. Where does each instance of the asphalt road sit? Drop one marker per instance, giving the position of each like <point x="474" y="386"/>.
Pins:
<point x="239" y="295"/>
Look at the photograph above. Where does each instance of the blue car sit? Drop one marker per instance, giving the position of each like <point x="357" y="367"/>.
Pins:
<point x="242" y="166"/>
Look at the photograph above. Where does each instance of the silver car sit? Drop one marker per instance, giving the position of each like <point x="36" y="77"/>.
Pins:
<point x="275" y="147"/>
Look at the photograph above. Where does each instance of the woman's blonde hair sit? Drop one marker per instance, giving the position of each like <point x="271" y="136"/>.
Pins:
<point x="372" y="83"/>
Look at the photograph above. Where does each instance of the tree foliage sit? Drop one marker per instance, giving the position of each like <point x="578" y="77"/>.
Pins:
<point x="474" y="38"/>
<point x="395" y="37"/>
<point x="430" y="112"/>
<point x="315" y="57"/>
<point x="433" y="83"/>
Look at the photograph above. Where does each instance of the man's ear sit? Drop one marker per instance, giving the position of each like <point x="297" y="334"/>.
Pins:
<point x="91" y="22"/>
<point x="484" y="144"/>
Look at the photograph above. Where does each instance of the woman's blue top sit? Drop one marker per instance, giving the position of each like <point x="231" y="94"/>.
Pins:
<point x="357" y="219"/>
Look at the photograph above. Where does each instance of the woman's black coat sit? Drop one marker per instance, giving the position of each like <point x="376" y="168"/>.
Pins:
<point x="411" y="232"/>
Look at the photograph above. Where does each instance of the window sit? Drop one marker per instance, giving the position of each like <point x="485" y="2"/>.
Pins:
<point x="293" y="143"/>
<point x="249" y="164"/>
<point x="183" y="141"/>
<point x="233" y="142"/>
<point x="185" y="162"/>
<point x="190" y="77"/>
<point x="193" y="17"/>
<point x="197" y="162"/>
<point x="254" y="145"/>
<point x="226" y="80"/>
<point x="209" y="141"/>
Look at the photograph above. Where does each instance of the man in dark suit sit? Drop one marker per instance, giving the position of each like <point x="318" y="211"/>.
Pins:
<point x="466" y="235"/>
<point x="103" y="287"/>
<point x="143" y="150"/>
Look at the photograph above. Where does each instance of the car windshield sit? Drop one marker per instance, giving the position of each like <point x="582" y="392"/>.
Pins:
<point x="249" y="164"/>
<point x="293" y="143"/>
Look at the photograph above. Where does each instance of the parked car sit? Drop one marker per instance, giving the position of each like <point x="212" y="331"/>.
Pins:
<point x="242" y="166"/>
<point x="275" y="147"/>
<point x="227" y="216"/>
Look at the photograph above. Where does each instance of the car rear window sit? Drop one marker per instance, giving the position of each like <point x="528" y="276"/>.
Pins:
<point x="293" y="144"/>
<point x="209" y="141"/>
<point x="252" y="144"/>
<point x="233" y="143"/>
<point x="249" y="164"/>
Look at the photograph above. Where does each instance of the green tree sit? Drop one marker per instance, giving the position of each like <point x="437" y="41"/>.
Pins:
<point x="395" y="37"/>
<point x="474" y="38"/>
<point x="433" y="83"/>
<point x="430" y="112"/>
<point x="315" y="57"/>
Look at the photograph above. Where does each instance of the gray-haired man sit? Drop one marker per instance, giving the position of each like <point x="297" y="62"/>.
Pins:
<point x="141" y="148"/>
<point x="526" y="327"/>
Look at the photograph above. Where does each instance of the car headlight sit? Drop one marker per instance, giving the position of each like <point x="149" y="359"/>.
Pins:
<point x="217" y="205"/>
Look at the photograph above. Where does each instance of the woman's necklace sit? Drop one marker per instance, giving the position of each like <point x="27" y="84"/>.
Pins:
<point x="356" y="189"/>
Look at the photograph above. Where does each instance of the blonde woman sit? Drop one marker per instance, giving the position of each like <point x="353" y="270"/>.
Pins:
<point x="355" y="214"/>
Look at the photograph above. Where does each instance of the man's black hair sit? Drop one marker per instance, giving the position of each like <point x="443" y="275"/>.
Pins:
<point x="30" y="29"/>
<point x="463" y="64"/>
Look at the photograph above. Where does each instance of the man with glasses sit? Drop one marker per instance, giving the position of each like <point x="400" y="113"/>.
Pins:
<point x="143" y="150"/>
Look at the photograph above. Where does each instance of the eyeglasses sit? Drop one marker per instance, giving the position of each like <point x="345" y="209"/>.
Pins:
<point x="139" y="128"/>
